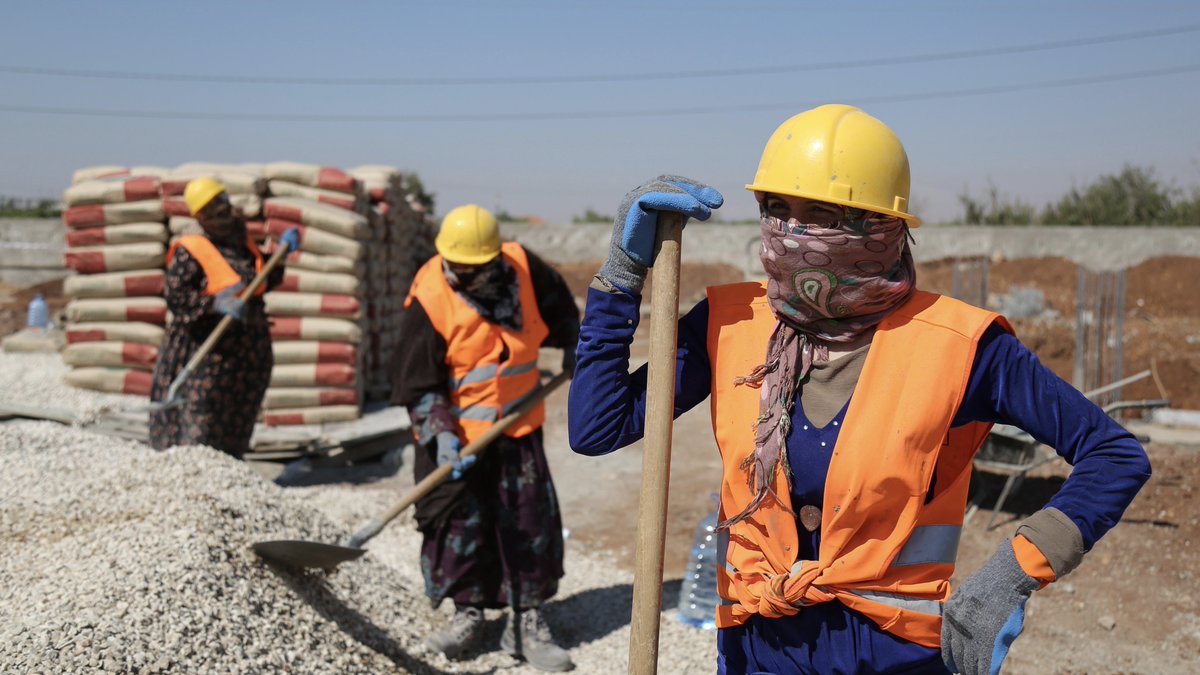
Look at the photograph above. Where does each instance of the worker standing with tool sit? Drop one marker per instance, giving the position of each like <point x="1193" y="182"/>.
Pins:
<point x="220" y="400"/>
<point x="847" y="406"/>
<point x="476" y="315"/>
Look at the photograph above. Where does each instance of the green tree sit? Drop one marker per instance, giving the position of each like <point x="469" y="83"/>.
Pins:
<point x="995" y="209"/>
<point x="1186" y="211"/>
<point x="503" y="216"/>
<point x="11" y="207"/>
<point x="416" y="189"/>
<point x="590" y="216"/>
<point x="1132" y="197"/>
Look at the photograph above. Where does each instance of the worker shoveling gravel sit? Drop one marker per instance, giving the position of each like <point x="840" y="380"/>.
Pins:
<point x="121" y="559"/>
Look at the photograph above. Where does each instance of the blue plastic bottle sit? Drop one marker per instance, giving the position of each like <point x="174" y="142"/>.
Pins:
<point x="698" y="594"/>
<point x="39" y="313"/>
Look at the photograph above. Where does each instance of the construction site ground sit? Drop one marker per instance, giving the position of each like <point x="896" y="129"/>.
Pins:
<point x="1132" y="607"/>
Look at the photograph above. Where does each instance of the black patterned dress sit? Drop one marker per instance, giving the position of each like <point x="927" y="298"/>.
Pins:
<point x="222" y="397"/>
<point x="494" y="538"/>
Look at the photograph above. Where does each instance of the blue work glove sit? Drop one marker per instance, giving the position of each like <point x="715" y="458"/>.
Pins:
<point x="291" y="238"/>
<point x="228" y="303"/>
<point x="447" y="453"/>
<point x="634" y="229"/>
<point x="985" y="614"/>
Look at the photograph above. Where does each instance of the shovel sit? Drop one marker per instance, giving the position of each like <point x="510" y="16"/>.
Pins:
<point x="656" y="455"/>
<point x="298" y="553"/>
<point x="172" y="399"/>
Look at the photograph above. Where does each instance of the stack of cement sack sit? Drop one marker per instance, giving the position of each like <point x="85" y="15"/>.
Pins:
<point x="116" y="242"/>
<point x="334" y="319"/>
<point x="317" y="320"/>
<point x="403" y="242"/>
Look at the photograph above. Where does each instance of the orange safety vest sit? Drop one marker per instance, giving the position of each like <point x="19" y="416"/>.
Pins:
<point x="484" y="388"/>
<point x="884" y="552"/>
<point x="218" y="270"/>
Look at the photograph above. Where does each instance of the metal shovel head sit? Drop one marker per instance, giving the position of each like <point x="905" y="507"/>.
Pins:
<point x="295" y="553"/>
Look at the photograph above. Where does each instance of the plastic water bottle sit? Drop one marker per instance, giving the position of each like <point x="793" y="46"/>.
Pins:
<point x="698" y="597"/>
<point x="39" y="313"/>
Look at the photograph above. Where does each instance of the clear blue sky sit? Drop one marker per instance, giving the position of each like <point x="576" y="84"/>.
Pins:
<point x="537" y="107"/>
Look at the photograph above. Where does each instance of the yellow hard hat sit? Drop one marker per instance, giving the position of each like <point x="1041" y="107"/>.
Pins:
<point x="199" y="192"/>
<point x="839" y="154"/>
<point x="469" y="235"/>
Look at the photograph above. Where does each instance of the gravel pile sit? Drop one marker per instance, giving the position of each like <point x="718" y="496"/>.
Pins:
<point x="121" y="559"/>
<point x="37" y="380"/>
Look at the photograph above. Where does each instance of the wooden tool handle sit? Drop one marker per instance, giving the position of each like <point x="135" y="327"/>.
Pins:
<point x="281" y="250"/>
<point x="440" y="474"/>
<point x="656" y="457"/>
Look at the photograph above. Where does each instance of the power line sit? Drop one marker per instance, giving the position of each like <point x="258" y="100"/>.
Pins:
<point x="585" y="79"/>
<point x="585" y="115"/>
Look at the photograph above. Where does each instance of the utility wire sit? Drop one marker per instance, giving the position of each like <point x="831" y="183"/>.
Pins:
<point x="578" y="79"/>
<point x="585" y="115"/>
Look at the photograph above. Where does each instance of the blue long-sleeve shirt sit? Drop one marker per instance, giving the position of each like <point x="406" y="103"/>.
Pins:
<point x="1008" y="385"/>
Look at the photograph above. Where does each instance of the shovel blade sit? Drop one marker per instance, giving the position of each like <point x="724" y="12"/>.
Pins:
<point x="295" y="553"/>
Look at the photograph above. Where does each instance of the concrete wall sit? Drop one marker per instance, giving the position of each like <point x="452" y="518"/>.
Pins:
<point x="31" y="249"/>
<point x="1098" y="248"/>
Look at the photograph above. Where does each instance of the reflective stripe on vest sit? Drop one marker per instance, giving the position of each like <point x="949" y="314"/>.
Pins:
<point x="482" y="388"/>
<point x="217" y="270"/>
<point x="886" y="550"/>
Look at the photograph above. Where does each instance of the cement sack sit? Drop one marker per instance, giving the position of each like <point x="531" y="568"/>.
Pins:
<point x="98" y="215"/>
<point x="115" y="331"/>
<point x="149" y="310"/>
<point x="309" y="351"/>
<point x="300" y="260"/>
<point x="342" y="200"/>
<point x="309" y="397"/>
<point x="235" y="182"/>
<point x="115" y="380"/>
<point x="250" y="206"/>
<point x="113" y="190"/>
<point x="110" y="354"/>
<point x="314" y="375"/>
<point x="33" y="340"/>
<point x="180" y="226"/>
<point x="132" y="233"/>
<point x="290" y="416"/>
<point x="183" y="225"/>
<point x="97" y="259"/>
<point x="312" y="175"/>
<point x="314" y="240"/>
<point x="313" y="304"/>
<point x="115" y="284"/>
<point x="307" y="281"/>
<point x="321" y="216"/>
<point x="111" y="171"/>
<point x="383" y="173"/>
<point x="315" y="328"/>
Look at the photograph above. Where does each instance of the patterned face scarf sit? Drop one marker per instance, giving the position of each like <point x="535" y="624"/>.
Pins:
<point x="827" y="284"/>
<point x="490" y="289"/>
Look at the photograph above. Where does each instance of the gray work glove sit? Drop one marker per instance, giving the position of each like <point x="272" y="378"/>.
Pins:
<point x="447" y="453"/>
<point x="985" y="614"/>
<point x="228" y="303"/>
<point x="631" y="250"/>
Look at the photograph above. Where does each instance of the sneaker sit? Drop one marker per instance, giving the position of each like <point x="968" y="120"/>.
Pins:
<point x="535" y="644"/>
<point x="462" y="635"/>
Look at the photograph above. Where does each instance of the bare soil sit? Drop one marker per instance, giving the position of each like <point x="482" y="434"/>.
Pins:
<point x="1134" y="604"/>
